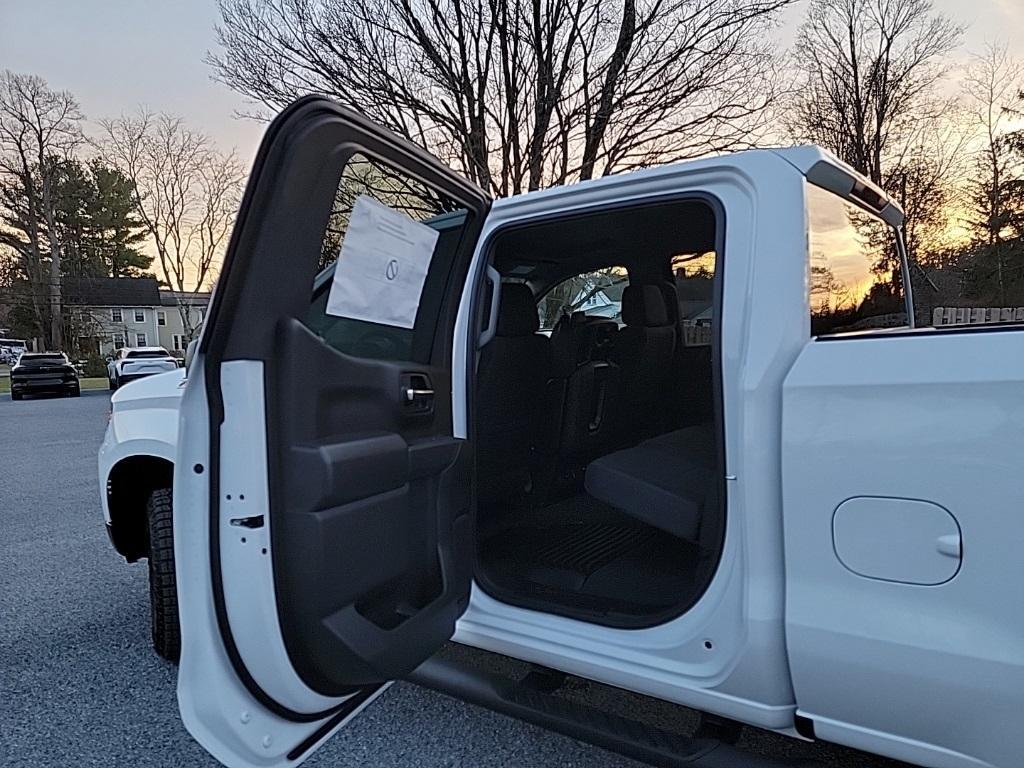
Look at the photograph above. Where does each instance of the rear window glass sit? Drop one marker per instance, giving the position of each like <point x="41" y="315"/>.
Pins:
<point x="595" y="294"/>
<point x="32" y="358"/>
<point x="148" y="353"/>
<point x="855" y="270"/>
<point x="694" y="278"/>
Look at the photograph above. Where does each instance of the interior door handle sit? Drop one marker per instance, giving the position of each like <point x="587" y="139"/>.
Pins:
<point x="414" y="394"/>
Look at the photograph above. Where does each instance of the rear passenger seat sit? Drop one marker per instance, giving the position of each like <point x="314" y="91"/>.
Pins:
<point x="582" y="390"/>
<point x="665" y="481"/>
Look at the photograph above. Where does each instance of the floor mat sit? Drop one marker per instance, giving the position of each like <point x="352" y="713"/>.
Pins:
<point x="589" y="558"/>
<point x="562" y="555"/>
<point x="587" y="548"/>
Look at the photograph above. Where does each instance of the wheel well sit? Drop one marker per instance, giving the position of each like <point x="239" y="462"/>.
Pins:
<point x="129" y="485"/>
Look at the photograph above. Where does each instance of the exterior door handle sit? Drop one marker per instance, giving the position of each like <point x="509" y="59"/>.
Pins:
<point x="949" y="545"/>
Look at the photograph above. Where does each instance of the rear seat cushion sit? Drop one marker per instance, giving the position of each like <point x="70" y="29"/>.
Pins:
<point x="663" y="481"/>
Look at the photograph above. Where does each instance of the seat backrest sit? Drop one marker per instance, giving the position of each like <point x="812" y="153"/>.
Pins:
<point x="693" y="368"/>
<point x="583" y="391"/>
<point x="511" y="379"/>
<point x="563" y="347"/>
<point x="643" y="350"/>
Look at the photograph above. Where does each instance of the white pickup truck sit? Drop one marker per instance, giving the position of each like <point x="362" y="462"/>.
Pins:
<point x="131" y="363"/>
<point x="684" y="431"/>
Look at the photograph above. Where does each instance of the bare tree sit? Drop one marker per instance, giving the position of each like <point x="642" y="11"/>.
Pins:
<point x="36" y="126"/>
<point x="927" y="178"/>
<point x="518" y="95"/>
<point x="992" y="86"/>
<point x="828" y="294"/>
<point x="867" y="72"/>
<point x="186" y="192"/>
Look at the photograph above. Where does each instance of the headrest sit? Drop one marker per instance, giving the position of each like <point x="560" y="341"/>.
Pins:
<point x="644" y="305"/>
<point x="517" y="311"/>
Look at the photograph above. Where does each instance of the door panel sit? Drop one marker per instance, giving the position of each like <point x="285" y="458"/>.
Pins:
<point x="336" y="507"/>
<point x="909" y="642"/>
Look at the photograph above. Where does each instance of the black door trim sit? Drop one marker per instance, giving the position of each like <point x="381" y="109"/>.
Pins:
<point x="266" y="171"/>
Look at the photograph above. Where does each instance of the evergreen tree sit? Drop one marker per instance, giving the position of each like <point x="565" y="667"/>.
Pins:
<point x="73" y="192"/>
<point x="95" y="218"/>
<point x="117" y="229"/>
<point x="96" y="224"/>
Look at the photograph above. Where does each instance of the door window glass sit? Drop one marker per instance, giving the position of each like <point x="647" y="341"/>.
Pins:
<point x="694" y="277"/>
<point x="407" y="200"/>
<point x="855" y="268"/>
<point x="595" y="294"/>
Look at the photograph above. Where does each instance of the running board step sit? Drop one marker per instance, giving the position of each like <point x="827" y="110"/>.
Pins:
<point x="579" y="721"/>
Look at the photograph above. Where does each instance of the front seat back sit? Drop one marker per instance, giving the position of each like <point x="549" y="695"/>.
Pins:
<point x="644" y="349"/>
<point x="512" y="376"/>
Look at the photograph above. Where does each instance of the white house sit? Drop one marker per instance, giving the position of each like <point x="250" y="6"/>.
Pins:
<point x="110" y="313"/>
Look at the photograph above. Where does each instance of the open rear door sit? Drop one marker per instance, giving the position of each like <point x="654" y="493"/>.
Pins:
<point x="322" y="513"/>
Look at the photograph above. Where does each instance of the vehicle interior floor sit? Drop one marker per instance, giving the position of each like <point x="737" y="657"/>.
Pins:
<point x="593" y="560"/>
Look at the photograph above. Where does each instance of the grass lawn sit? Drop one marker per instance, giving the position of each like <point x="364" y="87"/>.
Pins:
<point x="97" y="383"/>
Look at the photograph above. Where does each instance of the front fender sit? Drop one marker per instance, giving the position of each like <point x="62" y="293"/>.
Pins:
<point x="137" y="429"/>
<point x="111" y="453"/>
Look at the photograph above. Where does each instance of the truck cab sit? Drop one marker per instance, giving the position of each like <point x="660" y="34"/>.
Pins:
<point x="682" y="431"/>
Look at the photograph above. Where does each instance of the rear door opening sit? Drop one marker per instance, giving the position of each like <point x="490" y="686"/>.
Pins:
<point x="599" y="472"/>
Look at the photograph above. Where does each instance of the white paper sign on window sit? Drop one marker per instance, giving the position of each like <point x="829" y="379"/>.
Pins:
<point x="382" y="266"/>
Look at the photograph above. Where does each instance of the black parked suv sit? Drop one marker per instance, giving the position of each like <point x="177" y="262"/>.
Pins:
<point x="37" y="372"/>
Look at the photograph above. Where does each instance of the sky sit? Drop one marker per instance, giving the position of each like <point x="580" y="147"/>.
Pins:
<point x="116" y="55"/>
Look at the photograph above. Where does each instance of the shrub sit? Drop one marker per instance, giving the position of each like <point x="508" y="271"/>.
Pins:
<point x="95" y="366"/>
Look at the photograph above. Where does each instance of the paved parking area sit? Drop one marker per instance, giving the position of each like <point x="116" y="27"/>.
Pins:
<point x="79" y="685"/>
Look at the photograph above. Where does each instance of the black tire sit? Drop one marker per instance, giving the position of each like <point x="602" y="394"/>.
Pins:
<point x="16" y="396"/>
<point x="112" y="384"/>
<point x="75" y="393"/>
<point x="163" y="588"/>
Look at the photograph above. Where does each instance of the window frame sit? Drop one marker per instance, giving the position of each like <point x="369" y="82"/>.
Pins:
<point x="139" y="315"/>
<point x="117" y="337"/>
<point x="161" y="318"/>
<point x="144" y="340"/>
<point x="116" y="315"/>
